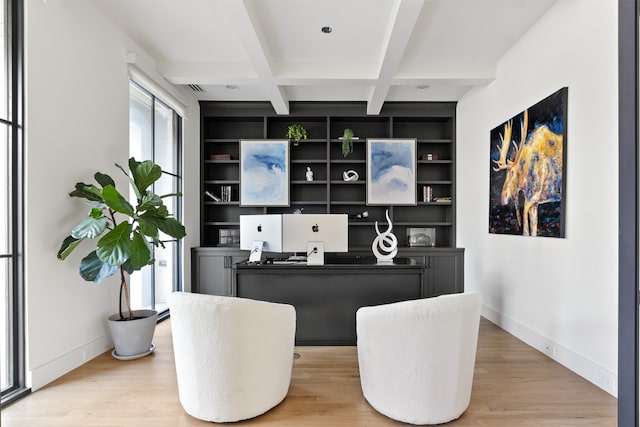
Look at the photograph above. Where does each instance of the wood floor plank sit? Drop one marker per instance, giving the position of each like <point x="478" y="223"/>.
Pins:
<point x="514" y="385"/>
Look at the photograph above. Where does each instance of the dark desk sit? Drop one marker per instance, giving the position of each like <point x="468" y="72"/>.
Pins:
<point x="326" y="297"/>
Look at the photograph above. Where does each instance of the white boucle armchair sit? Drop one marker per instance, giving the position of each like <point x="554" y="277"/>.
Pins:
<point x="234" y="356"/>
<point x="417" y="357"/>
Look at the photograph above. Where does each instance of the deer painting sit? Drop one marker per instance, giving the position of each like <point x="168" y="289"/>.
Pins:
<point x="533" y="170"/>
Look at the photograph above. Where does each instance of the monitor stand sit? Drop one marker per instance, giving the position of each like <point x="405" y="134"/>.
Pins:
<point x="256" y="251"/>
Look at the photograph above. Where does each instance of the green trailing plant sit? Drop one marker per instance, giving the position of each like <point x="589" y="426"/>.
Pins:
<point x="127" y="234"/>
<point x="296" y="133"/>
<point x="347" y="142"/>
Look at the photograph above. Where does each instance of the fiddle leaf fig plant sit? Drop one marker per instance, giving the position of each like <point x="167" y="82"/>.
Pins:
<point x="296" y="133"/>
<point x="127" y="234"/>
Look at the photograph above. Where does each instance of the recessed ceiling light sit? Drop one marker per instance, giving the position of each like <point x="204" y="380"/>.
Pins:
<point x="422" y="87"/>
<point x="232" y="87"/>
<point x="326" y="30"/>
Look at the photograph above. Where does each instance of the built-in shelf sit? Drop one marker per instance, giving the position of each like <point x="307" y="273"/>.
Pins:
<point x="225" y="124"/>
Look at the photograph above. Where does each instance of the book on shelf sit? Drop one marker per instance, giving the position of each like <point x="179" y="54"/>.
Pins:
<point x="225" y="192"/>
<point x="212" y="196"/>
<point x="443" y="200"/>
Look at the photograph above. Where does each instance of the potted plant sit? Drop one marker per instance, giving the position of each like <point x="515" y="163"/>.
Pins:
<point x="296" y="133"/>
<point x="127" y="237"/>
<point x="347" y="142"/>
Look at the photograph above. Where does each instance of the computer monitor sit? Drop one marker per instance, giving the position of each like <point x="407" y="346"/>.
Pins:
<point x="263" y="228"/>
<point x="330" y="229"/>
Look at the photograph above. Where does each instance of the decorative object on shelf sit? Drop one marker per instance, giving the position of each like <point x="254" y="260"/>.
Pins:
<point x="421" y="237"/>
<point x="530" y="160"/>
<point x="347" y="142"/>
<point x="125" y="245"/>
<point x="391" y="171"/>
<point x="429" y="156"/>
<point x="427" y="193"/>
<point x="264" y="172"/>
<point x="212" y="196"/>
<point x="225" y="193"/>
<point x="298" y="211"/>
<point x="350" y="175"/>
<point x="229" y="236"/>
<point x="219" y="156"/>
<point x="296" y="133"/>
<point x="362" y="215"/>
<point x="309" y="174"/>
<point x="385" y="245"/>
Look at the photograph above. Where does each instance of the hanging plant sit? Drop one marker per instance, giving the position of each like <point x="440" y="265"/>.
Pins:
<point x="347" y="142"/>
<point x="296" y="133"/>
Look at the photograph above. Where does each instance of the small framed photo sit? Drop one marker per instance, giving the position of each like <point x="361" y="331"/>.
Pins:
<point x="391" y="171"/>
<point x="421" y="237"/>
<point x="264" y="172"/>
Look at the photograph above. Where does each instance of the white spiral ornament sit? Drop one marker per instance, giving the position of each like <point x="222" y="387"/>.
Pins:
<point x="385" y="245"/>
<point x="350" y="175"/>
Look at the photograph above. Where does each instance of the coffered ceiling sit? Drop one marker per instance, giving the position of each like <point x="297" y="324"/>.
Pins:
<point x="376" y="50"/>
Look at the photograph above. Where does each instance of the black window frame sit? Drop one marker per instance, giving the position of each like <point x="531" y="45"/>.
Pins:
<point x="14" y="18"/>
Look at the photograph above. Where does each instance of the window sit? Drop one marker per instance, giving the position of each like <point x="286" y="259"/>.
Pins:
<point x="154" y="133"/>
<point x="12" y="374"/>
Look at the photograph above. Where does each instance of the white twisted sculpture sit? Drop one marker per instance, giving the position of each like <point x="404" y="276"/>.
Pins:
<point x="350" y="175"/>
<point x="387" y="242"/>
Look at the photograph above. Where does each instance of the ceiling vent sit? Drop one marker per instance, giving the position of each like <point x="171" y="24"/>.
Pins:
<point x="196" y="88"/>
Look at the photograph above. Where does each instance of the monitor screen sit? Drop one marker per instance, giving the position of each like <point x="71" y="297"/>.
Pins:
<point x="264" y="228"/>
<point x="331" y="229"/>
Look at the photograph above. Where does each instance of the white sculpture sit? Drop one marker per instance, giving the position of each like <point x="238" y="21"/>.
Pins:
<point x="309" y="174"/>
<point x="350" y="175"/>
<point x="385" y="242"/>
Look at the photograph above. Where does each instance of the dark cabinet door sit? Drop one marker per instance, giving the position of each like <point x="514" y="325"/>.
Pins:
<point x="212" y="270"/>
<point x="445" y="273"/>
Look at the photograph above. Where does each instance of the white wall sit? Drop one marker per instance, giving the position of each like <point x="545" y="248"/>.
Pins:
<point x="77" y="122"/>
<point x="558" y="295"/>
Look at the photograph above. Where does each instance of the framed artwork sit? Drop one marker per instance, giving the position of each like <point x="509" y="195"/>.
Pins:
<point x="391" y="171"/>
<point x="264" y="172"/>
<point x="527" y="176"/>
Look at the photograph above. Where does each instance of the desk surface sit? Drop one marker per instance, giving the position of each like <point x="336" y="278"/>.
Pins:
<point x="343" y="262"/>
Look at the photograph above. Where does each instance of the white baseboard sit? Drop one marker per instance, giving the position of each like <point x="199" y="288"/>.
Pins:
<point x="56" y="368"/>
<point x="587" y="369"/>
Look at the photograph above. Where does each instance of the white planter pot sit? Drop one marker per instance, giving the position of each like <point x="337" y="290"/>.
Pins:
<point x="133" y="338"/>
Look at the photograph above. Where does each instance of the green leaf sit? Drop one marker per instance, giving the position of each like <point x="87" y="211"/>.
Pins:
<point x="133" y="184"/>
<point x="115" y="201"/>
<point x="115" y="247"/>
<point x="68" y="245"/>
<point x="159" y="219"/>
<point x="89" y="228"/>
<point x="93" y="269"/>
<point x="172" y="227"/>
<point x="104" y="179"/>
<point x="96" y="213"/>
<point x="141" y="253"/>
<point x="149" y="199"/>
<point x="145" y="174"/>
<point x="87" y="191"/>
<point x="128" y="267"/>
<point x="148" y="227"/>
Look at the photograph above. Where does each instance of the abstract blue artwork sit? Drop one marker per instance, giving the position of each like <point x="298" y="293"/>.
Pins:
<point x="527" y="175"/>
<point x="264" y="172"/>
<point x="391" y="172"/>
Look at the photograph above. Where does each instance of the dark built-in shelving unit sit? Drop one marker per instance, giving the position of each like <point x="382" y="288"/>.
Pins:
<point x="224" y="124"/>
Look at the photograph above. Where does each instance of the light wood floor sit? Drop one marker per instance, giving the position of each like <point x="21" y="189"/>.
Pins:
<point x="514" y="385"/>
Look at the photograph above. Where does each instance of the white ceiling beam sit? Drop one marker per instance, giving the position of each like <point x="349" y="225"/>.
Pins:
<point x="247" y="26"/>
<point x="401" y="22"/>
